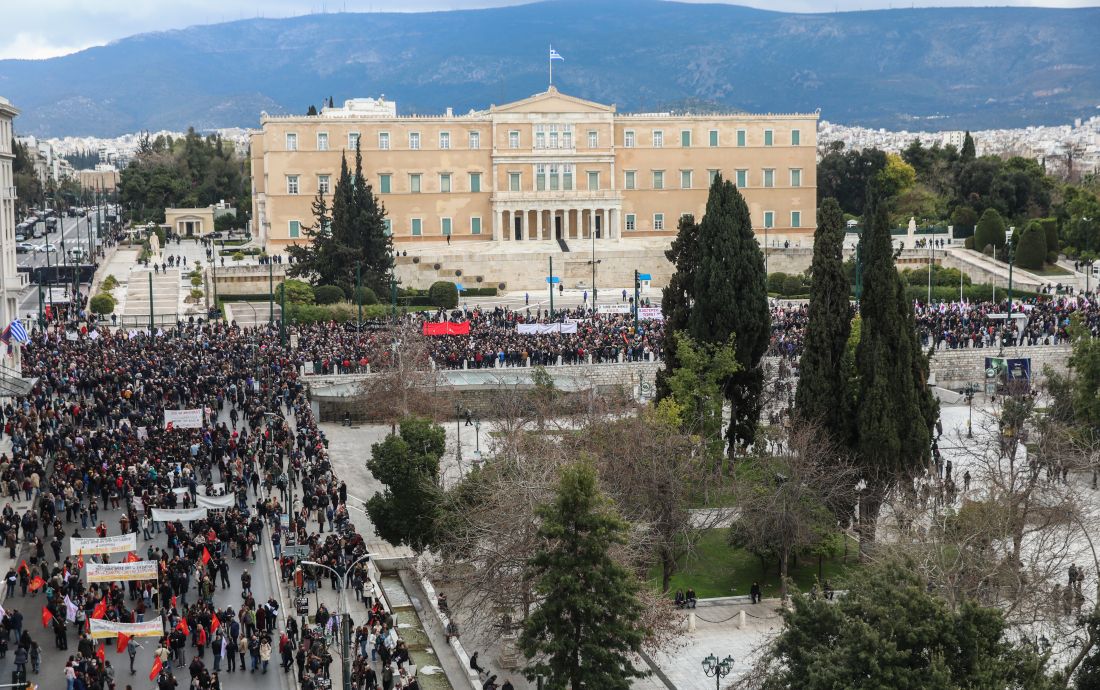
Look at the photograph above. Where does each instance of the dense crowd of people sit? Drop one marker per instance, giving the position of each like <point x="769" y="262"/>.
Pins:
<point x="494" y="339"/>
<point x="90" y="438"/>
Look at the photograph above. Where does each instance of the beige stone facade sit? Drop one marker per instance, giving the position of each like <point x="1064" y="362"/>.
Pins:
<point x="11" y="281"/>
<point x="190" y="222"/>
<point x="547" y="167"/>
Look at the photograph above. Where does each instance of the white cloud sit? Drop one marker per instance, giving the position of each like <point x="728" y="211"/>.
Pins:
<point x="65" y="26"/>
<point x="32" y="46"/>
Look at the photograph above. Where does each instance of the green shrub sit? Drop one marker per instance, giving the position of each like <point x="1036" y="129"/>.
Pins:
<point x="238" y="256"/>
<point x="775" y="282"/>
<point x="969" y="242"/>
<point x="365" y="295"/>
<point x="196" y="281"/>
<point x="110" y="282"/>
<point x="990" y="230"/>
<point x="328" y="294"/>
<point x="196" y="294"/>
<point x="480" y="292"/>
<point x="341" y="312"/>
<point x="1031" y="248"/>
<point x="443" y="294"/>
<point x="792" y="286"/>
<point x="1050" y="231"/>
<point x="297" y="292"/>
<point x="102" y="304"/>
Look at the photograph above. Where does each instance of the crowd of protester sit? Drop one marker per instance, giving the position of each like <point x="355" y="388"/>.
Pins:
<point x="495" y="341"/>
<point x="90" y="438"/>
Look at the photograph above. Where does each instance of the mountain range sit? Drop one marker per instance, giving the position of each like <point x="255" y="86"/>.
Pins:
<point x="917" y="69"/>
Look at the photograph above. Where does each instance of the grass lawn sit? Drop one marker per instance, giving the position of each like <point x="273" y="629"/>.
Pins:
<point x="717" y="570"/>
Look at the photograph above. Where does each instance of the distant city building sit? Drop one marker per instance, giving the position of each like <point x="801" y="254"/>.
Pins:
<point x="49" y="166"/>
<point x="104" y="178"/>
<point x="1057" y="147"/>
<point x="11" y="283"/>
<point x="548" y="167"/>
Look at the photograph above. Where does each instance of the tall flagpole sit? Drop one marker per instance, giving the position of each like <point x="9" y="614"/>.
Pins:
<point x="551" y="56"/>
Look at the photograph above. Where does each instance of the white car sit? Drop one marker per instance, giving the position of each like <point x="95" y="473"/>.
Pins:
<point x="25" y="247"/>
<point x="46" y="248"/>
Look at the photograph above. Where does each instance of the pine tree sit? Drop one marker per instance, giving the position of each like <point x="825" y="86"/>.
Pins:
<point x="676" y="298"/>
<point x="355" y="237"/>
<point x="730" y="298"/>
<point x="823" y="377"/>
<point x="968" y="150"/>
<point x="312" y="110"/>
<point x="896" y="410"/>
<point x="588" y="628"/>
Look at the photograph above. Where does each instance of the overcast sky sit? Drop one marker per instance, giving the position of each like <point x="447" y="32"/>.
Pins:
<point x="35" y="29"/>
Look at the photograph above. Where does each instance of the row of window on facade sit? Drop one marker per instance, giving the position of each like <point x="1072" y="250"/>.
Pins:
<point x="549" y="137"/>
<point x="446" y="225"/>
<point x="554" y="177"/>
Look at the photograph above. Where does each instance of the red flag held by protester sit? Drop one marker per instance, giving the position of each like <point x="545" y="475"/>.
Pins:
<point x="80" y="560"/>
<point x="132" y="557"/>
<point x="23" y="566"/>
<point x="182" y="625"/>
<point x="205" y="556"/>
<point x="36" y="584"/>
<point x="100" y="611"/>
<point x="123" y="640"/>
<point x="101" y="654"/>
<point x="157" y="666"/>
<point x="46" y="617"/>
<point x="214" y="624"/>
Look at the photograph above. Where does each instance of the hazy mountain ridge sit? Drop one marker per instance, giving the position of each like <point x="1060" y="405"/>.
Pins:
<point x="969" y="67"/>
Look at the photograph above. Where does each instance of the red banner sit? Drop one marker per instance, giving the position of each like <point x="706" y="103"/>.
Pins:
<point x="446" y="328"/>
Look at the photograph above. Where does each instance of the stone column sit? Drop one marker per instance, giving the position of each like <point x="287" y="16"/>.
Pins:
<point x="538" y="224"/>
<point x="591" y="223"/>
<point x="498" y="222"/>
<point x="616" y="224"/>
<point x="565" y="223"/>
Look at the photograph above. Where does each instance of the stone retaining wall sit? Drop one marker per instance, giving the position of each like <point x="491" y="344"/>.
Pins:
<point x="334" y="394"/>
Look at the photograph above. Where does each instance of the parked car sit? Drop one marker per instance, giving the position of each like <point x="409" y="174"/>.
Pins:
<point x="24" y="247"/>
<point x="20" y="237"/>
<point x="48" y="247"/>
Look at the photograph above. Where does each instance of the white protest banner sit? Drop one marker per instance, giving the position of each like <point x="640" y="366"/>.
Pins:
<point x="650" y="314"/>
<point x="142" y="433"/>
<point x="538" y="328"/>
<point x="101" y="628"/>
<point x="199" y="489"/>
<point x="183" y="419"/>
<point x="110" y="572"/>
<point x="120" y="543"/>
<point x="216" y="501"/>
<point x="173" y="514"/>
<point x="613" y="309"/>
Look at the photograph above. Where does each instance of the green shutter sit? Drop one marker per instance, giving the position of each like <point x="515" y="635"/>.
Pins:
<point x="475" y="182"/>
<point x="796" y="137"/>
<point x="475" y="226"/>
<point x="295" y="228"/>
<point x="714" y="137"/>
<point x="685" y="138"/>
<point x="384" y="184"/>
<point x="767" y="137"/>
<point x="740" y="137"/>
<point x="416" y="227"/>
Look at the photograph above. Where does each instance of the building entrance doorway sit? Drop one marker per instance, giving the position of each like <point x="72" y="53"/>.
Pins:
<point x="557" y="227"/>
<point x="518" y="222"/>
<point x="599" y="230"/>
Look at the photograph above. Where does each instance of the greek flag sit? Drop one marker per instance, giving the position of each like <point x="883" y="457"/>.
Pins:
<point x="554" y="55"/>
<point x="16" y="332"/>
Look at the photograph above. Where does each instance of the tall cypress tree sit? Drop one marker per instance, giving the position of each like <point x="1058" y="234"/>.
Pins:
<point x="355" y="237"/>
<point x="731" y="298"/>
<point x="822" y="376"/>
<point x="588" y="627"/>
<point x="896" y="410"/>
<point x="676" y="298"/>
<point x="969" y="151"/>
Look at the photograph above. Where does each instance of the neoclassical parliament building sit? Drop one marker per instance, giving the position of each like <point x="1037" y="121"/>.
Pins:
<point x="545" y="168"/>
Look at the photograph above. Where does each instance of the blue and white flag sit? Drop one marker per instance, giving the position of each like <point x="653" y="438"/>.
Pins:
<point x="18" y="332"/>
<point x="554" y="55"/>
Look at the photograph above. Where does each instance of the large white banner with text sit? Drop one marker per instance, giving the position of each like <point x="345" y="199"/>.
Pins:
<point x="173" y="514"/>
<point x="183" y="419"/>
<point x="104" y="628"/>
<point x="110" y="572"/>
<point x="120" y="543"/>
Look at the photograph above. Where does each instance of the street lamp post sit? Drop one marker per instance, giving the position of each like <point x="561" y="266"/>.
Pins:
<point x="718" y="669"/>
<point x="345" y="616"/>
<point x="458" y="436"/>
<point x="477" y="436"/>
<point x="969" y="393"/>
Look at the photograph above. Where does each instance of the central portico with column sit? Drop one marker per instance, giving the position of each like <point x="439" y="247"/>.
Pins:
<point x="553" y="169"/>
